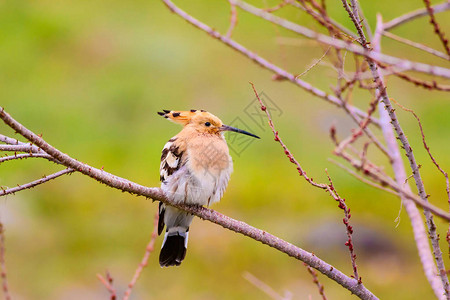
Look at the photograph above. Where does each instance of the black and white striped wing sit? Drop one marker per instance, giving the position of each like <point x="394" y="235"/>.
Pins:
<point x="171" y="160"/>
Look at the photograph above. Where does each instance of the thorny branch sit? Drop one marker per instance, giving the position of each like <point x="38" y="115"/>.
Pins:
<point x="349" y="243"/>
<point x="204" y="213"/>
<point x="328" y="187"/>
<point x="32" y="184"/>
<point x="437" y="28"/>
<point x="415" y="14"/>
<point x="388" y="121"/>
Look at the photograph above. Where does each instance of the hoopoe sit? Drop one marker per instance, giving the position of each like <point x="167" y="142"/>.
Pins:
<point x="195" y="169"/>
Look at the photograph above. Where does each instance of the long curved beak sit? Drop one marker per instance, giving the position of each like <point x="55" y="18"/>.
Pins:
<point x="229" y="128"/>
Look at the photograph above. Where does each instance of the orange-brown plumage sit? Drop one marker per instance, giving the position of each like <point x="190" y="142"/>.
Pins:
<point x="195" y="169"/>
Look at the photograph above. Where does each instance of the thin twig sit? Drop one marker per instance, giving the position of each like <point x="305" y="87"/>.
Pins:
<point x="365" y="180"/>
<point x="204" y="213"/>
<point x="416" y="45"/>
<point x="415" y="14"/>
<point x="5" y="286"/>
<point x="314" y="64"/>
<point x="25" y="155"/>
<point x="280" y="5"/>
<point x="261" y="61"/>
<point x="233" y="19"/>
<point x="389" y="125"/>
<point x="288" y="153"/>
<point x="401" y="64"/>
<point x="262" y="286"/>
<point x="18" y="148"/>
<point x="317" y="282"/>
<point x="7" y="140"/>
<point x="349" y="229"/>
<point x="447" y="183"/>
<point x="108" y="284"/>
<point x="433" y="85"/>
<point x="437" y="28"/>
<point x="335" y="23"/>
<point x="32" y="184"/>
<point x="148" y="250"/>
<point x="354" y="16"/>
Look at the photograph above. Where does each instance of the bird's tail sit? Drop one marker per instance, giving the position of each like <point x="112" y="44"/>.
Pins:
<point x="177" y="224"/>
<point x="174" y="246"/>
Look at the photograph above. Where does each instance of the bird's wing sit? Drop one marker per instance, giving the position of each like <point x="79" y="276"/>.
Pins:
<point x="172" y="158"/>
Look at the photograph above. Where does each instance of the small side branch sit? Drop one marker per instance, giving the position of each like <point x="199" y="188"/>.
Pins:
<point x="415" y="14"/>
<point x="416" y="45"/>
<point x="316" y="282"/>
<point x="349" y="243"/>
<point x="233" y="19"/>
<point x="264" y="287"/>
<point x="108" y="283"/>
<point x="204" y="213"/>
<point x="288" y="153"/>
<point x="34" y="183"/>
<point x="26" y="155"/>
<point x="437" y="28"/>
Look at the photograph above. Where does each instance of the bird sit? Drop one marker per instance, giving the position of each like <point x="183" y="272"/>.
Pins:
<point x="195" y="170"/>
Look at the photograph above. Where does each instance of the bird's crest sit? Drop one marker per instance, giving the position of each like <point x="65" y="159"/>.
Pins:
<point x="190" y="116"/>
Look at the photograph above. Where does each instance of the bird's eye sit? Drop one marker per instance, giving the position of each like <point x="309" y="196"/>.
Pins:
<point x="207" y="124"/>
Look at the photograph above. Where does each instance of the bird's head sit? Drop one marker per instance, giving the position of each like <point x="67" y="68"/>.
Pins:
<point x="202" y="121"/>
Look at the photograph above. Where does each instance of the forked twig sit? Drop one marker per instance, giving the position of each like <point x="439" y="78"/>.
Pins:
<point x="108" y="283"/>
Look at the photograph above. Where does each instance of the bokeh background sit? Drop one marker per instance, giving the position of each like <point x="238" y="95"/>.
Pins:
<point x="91" y="75"/>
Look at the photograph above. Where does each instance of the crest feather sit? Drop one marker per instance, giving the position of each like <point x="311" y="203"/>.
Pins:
<point x="180" y="116"/>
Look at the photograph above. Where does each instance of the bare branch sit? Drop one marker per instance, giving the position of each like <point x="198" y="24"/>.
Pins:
<point x="316" y="282"/>
<point x="34" y="183"/>
<point x="436" y="26"/>
<point x="263" y="62"/>
<point x="286" y="150"/>
<point x="233" y="19"/>
<point x="264" y="287"/>
<point x="17" y="148"/>
<point x="447" y="183"/>
<point x="7" y="140"/>
<point x="365" y="180"/>
<point x="201" y="212"/>
<point x="333" y="22"/>
<point x="314" y="64"/>
<point x="353" y="13"/>
<point x="349" y="229"/>
<point x="415" y="14"/>
<point x="389" y="120"/>
<point x="280" y="5"/>
<point x="26" y="155"/>
<point x="108" y="284"/>
<point x="416" y="45"/>
<point x="401" y="64"/>
<point x="148" y="250"/>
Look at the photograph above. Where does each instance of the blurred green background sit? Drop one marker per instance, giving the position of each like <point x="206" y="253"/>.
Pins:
<point x="91" y="75"/>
